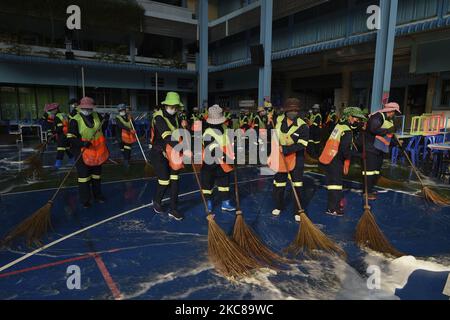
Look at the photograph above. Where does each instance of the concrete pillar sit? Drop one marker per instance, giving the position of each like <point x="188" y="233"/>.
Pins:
<point x="265" y="73"/>
<point x="384" y="54"/>
<point x="390" y="50"/>
<point x="203" y="54"/>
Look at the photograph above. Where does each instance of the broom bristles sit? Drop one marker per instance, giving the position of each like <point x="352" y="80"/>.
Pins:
<point x="33" y="228"/>
<point x="369" y="235"/>
<point x="35" y="167"/>
<point x="244" y="236"/>
<point x="310" y="238"/>
<point x="435" y="198"/>
<point x="389" y="183"/>
<point x="226" y="256"/>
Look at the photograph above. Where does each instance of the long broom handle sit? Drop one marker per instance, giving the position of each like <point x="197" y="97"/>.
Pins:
<point x="364" y="158"/>
<point x="297" y="198"/>
<point x="236" y="191"/>
<point x="409" y="160"/>
<point x="197" y="178"/>
<point x="138" y="141"/>
<point x="74" y="165"/>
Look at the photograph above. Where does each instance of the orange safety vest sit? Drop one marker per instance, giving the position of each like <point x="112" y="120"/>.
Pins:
<point x="98" y="152"/>
<point x="276" y="161"/>
<point x="128" y="136"/>
<point x="332" y="146"/>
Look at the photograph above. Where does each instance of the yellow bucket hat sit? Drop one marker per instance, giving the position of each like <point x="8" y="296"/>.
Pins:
<point x="172" y="99"/>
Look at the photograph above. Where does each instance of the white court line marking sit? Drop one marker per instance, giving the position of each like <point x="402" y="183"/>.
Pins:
<point x="103" y="183"/>
<point x="416" y="194"/>
<point x="72" y="187"/>
<point x="51" y="244"/>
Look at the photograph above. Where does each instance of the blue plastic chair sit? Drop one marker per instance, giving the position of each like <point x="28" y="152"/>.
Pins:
<point x="395" y="154"/>
<point x="414" y="148"/>
<point x="428" y="140"/>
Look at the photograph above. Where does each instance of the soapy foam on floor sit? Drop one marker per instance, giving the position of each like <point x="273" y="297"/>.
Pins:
<point x="395" y="273"/>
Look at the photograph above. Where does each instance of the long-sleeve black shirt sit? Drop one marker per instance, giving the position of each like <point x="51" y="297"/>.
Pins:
<point x="374" y="128"/>
<point x="346" y="146"/>
<point x="302" y="133"/>
<point x="162" y="130"/>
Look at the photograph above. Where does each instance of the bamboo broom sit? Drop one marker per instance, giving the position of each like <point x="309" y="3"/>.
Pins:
<point x="34" y="161"/>
<point x="427" y="192"/>
<point x="36" y="226"/>
<point x="227" y="257"/>
<point x="245" y="237"/>
<point x="308" y="237"/>
<point x="368" y="234"/>
<point x="148" y="170"/>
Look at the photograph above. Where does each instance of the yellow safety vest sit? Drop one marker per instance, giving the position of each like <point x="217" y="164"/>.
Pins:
<point x="286" y="138"/>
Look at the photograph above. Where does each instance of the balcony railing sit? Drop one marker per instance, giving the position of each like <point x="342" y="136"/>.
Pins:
<point x="59" y="53"/>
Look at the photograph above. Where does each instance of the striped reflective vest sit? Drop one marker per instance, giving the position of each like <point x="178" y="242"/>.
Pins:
<point x="332" y="146"/>
<point x="221" y="140"/>
<point x="128" y="136"/>
<point x="64" y="122"/>
<point x="312" y="120"/>
<point x="285" y="138"/>
<point x="98" y="152"/>
<point x="382" y="143"/>
<point x="165" y="134"/>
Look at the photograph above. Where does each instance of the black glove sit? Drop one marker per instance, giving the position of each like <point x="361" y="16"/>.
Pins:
<point x="86" y="144"/>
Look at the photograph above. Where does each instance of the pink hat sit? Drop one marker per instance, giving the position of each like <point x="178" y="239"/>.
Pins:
<point x="51" y="106"/>
<point x="87" y="103"/>
<point x="390" y="107"/>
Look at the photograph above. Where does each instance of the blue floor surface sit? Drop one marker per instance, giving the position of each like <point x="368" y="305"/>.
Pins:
<point x="142" y="255"/>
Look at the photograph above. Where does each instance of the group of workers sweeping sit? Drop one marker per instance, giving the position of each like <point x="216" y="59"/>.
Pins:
<point x="291" y="137"/>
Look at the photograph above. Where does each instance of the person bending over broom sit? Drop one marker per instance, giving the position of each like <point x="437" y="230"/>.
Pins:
<point x="336" y="157"/>
<point x="291" y="134"/>
<point x="379" y="133"/>
<point x="88" y="144"/>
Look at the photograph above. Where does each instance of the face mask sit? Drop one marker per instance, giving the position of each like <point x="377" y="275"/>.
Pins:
<point x="171" y="111"/>
<point x="292" y="115"/>
<point x="357" y="125"/>
<point x="122" y="113"/>
<point x="86" y="112"/>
